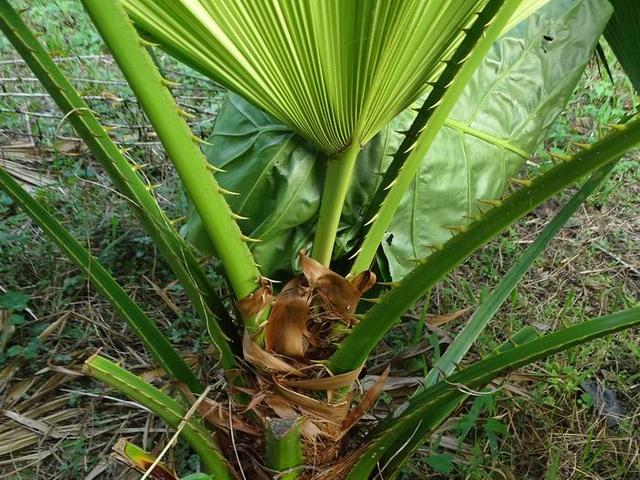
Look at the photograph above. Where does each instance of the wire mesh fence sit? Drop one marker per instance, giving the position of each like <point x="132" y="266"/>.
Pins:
<point x="34" y="133"/>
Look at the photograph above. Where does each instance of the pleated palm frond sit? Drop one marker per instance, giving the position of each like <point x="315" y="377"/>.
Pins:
<point x="334" y="70"/>
<point x="526" y="8"/>
<point x="623" y="35"/>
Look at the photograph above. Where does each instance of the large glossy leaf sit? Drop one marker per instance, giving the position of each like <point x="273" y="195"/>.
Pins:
<point x="278" y="180"/>
<point x="497" y="123"/>
<point x="271" y="168"/>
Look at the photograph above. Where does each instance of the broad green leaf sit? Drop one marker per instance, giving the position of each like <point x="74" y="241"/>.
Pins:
<point x="274" y="173"/>
<point x="278" y="182"/>
<point x="268" y="165"/>
<point x="335" y="71"/>
<point x="497" y="123"/>
<point x="623" y="35"/>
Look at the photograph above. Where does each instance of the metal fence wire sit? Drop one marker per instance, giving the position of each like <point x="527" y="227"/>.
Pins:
<point x="33" y="131"/>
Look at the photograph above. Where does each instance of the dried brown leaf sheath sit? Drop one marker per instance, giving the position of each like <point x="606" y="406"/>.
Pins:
<point x="264" y="360"/>
<point x="339" y="295"/>
<point x="285" y="330"/>
<point x="333" y="298"/>
<point x="254" y="303"/>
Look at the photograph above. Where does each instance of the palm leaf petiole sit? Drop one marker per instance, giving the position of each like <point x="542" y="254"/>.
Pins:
<point x="336" y="185"/>
<point x="146" y="330"/>
<point x="142" y="75"/>
<point x="192" y="429"/>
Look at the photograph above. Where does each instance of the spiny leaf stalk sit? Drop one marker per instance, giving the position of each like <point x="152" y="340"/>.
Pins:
<point x="156" y="100"/>
<point x="443" y="104"/>
<point x="358" y="345"/>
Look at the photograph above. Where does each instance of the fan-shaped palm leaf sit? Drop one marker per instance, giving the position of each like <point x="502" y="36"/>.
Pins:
<point x="337" y="71"/>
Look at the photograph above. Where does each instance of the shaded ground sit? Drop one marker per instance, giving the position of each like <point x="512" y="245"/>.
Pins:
<point x="542" y="424"/>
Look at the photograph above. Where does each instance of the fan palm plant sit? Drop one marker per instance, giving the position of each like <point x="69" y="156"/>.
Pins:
<point x="327" y="84"/>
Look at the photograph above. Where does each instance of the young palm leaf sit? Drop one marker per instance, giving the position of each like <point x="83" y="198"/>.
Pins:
<point x="337" y="71"/>
<point x="485" y="140"/>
